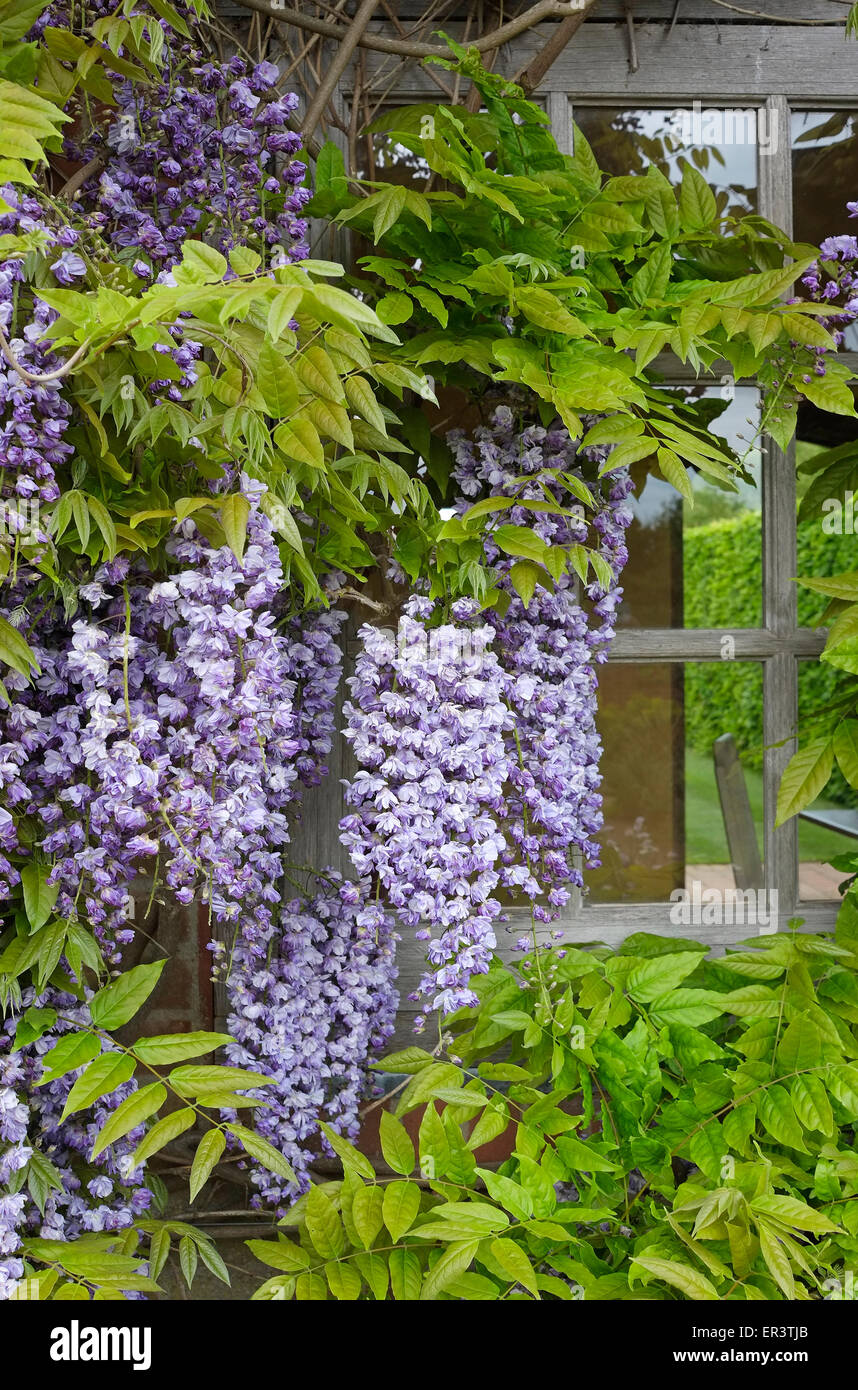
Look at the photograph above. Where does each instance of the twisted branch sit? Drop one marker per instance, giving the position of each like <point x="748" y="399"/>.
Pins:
<point x="40" y="379"/>
<point x="348" y="593"/>
<point x="530" y="76"/>
<point x="79" y="178"/>
<point x="404" y="48"/>
<point x="342" y="58"/>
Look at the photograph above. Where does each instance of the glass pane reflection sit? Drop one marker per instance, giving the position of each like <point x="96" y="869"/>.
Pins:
<point x="664" y="827"/>
<point x="836" y="808"/>
<point x="674" y="546"/>
<point x="721" y="143"/>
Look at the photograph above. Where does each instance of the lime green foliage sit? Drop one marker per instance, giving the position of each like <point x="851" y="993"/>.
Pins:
<point x="277" y="416"/>
<point x="723" y="589"/>
<point x="680" y="1128"/>
<point x="516" y="264"/>
<point x="30" y="125"/>
<point x="481" y="282"/>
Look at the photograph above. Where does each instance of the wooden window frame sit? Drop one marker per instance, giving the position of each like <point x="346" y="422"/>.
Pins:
<point x="780" y="643"/>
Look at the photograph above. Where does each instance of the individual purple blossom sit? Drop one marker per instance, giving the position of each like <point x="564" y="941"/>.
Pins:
<point x="68" y="268"/>
<point x="834" y="277"/>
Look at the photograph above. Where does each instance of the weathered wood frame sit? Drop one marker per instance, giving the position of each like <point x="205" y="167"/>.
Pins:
<point x="780" y="643"/>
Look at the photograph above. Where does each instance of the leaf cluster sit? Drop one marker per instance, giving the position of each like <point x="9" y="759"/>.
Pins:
<point x="678" y="1127"/>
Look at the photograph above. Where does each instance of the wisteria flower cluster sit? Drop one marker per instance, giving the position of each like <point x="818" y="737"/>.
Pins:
<point x="250" y="713"/>
<point x="427" y="721"/>
<point x="314" y="661"/>
<point x="312" y="998"/>
<point x="34" y="417"/>
<point x="108" y="1194"/>
<point x="174" y="729"/>
<point x="225" y="701"/>
<point x="477" y="744"/>
<point x="173" y="737"/>
<point x="550" y="650"/>
<point x="206" y="152"/>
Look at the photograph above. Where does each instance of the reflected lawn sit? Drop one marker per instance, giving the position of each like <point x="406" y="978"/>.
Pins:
<point x="706" y="842"/>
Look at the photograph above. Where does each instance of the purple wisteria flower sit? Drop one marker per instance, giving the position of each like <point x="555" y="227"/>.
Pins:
<point x="551" y="649"/>
<point x="68" y="268"/>
<point x="476" y="740"/>
<point x="34" y="417"/>
<point x="195" y="155"/>
<point x="312" y="997"/>
<point x="427" y="721"/>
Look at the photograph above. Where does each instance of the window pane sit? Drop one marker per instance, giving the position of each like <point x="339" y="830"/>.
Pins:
<point x="721" y="142"/>
<point x="835" y="810"/>
<point x="664" y="826"/>
<point x="384" y="158"/>
<point x="701" y="565"/>
<point x="826" y="546"/>
<point x="825" y="175"/>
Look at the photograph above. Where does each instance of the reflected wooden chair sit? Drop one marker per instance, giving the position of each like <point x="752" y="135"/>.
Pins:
<point x="738" y="818"/>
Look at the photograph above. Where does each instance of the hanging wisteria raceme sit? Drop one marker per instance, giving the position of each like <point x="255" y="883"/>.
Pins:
<point x="201" y="160"/>
<point x="250" y="711"/>
<point x="34" y="417"/>
<point x="550" y="649"/>
<point x="172" y="730"/>
<point x="431" y="730"/>
<point x="314" y="660"/>
<point x="66" y="1193"/>
<point x="207" y="154"/>
<point x="309" y="1011"/>
<point x="224" y="696"/>
<point x="477" y="744"/>
<point x="96" y="759"/>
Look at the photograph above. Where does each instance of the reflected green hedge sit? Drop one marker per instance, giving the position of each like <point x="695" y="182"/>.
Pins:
<point x="723" y="588"/>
